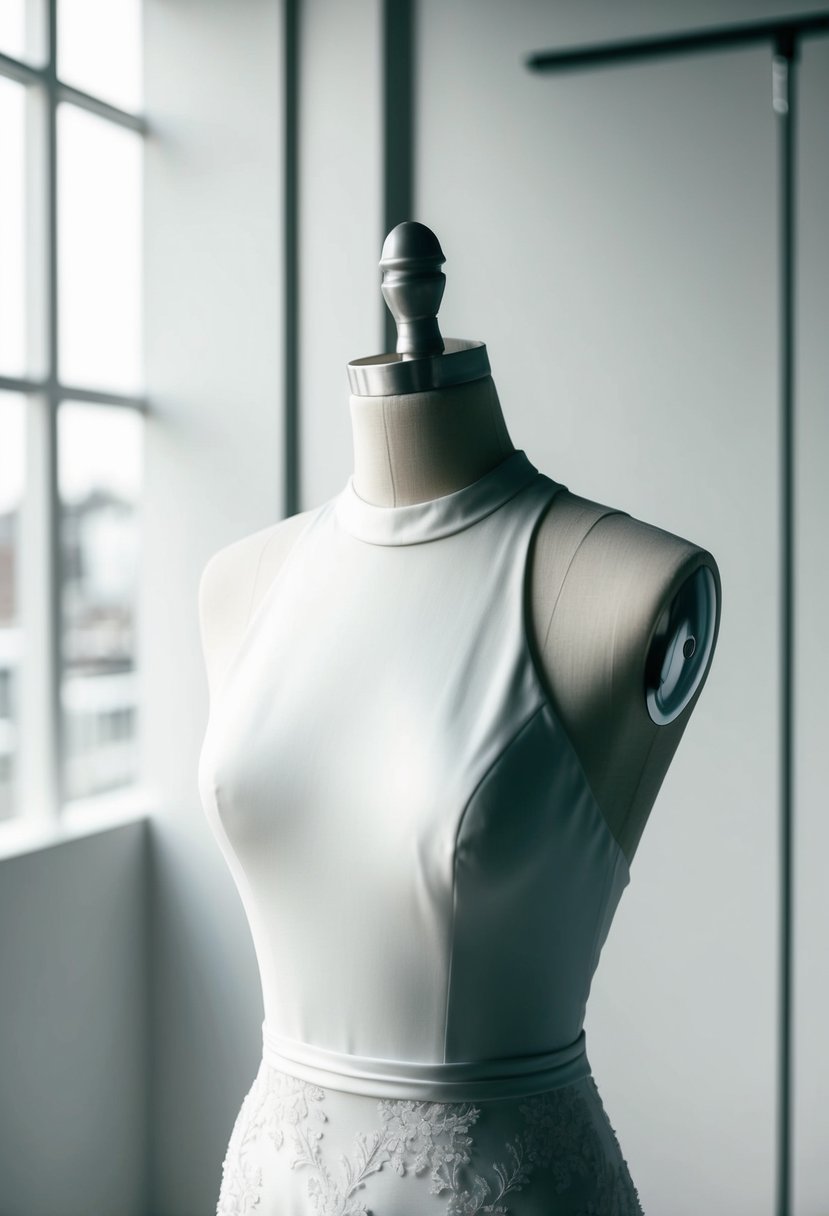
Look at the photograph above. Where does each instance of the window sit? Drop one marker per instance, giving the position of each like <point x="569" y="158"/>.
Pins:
<point x="71" y="399"/>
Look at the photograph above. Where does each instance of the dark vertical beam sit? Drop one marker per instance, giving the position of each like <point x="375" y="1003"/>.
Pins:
<point x="784" y="69"/>
<point x="290" y="256"/>
<point x="398" y="129"/>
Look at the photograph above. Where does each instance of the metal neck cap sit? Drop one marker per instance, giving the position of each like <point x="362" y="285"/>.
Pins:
<point x="412" y="287"/>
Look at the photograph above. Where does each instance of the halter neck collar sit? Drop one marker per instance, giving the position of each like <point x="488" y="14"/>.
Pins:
<point x="436" y="517"/>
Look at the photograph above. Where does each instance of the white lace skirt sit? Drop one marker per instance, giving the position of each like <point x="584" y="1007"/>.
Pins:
<point x="298" y="1149"/>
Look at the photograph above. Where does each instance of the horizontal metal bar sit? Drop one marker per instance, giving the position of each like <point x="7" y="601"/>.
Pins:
<point x="717" y="38"/>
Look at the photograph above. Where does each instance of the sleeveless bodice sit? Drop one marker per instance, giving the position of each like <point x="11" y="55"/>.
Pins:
<point x="426" y="873"/>
<point x="408" y="821"/>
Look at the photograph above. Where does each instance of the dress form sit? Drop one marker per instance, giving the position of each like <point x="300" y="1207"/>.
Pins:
<point x="623" y="616"/>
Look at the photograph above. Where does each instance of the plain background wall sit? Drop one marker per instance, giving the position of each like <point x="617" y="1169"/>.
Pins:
<point x="73" y="1028"/>
<point x="213" y="316"/>
<point x="612" y="237"/>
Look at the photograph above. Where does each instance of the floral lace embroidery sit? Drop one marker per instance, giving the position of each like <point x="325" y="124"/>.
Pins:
<point x="415" y="1137"/>
<point x="269" y="1106"/>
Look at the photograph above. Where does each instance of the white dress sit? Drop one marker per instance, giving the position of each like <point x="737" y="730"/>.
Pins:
<point x="427" y="876"/>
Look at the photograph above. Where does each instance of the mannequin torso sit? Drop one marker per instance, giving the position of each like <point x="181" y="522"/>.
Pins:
<point x="599" y="583"/>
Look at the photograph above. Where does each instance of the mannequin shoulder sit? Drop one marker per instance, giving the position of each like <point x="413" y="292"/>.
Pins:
<point x="625" y="552"/>
<point x="233" y="581"/>
<point x="625" y="594"/>
<point x="643" y="556"/>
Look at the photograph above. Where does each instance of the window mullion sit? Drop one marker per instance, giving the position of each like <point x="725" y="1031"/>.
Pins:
<point x="39" y="772"/>
<point x="41" y="592"/>
<point x="53" y="521"/>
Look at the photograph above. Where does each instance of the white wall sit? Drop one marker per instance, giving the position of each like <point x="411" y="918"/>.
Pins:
<point x="73" y="1028"/>
<point x="612" y="238"/>
<point x="213" y="317"/>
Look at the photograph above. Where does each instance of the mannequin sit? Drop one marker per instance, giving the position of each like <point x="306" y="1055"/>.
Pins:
<point x="441" y="706"/>
<point x="622" y="616"/>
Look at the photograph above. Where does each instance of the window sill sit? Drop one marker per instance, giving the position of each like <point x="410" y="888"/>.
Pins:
<point x="84" y="817"/>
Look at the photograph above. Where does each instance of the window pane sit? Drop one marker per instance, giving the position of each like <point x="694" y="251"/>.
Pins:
<point x="12" y="229"/>
<point x="99" y="49"/>
<point x="100" y="473"/>
<point x="13" y="27"/>
<point x="99" y="200"/>
<point x="12" y="476"/>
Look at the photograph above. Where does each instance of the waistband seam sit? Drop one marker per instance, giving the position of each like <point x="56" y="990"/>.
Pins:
<point x="483" y="1080"/>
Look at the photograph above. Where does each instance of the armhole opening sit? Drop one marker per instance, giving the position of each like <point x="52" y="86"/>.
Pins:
<point x="533" y="657"/>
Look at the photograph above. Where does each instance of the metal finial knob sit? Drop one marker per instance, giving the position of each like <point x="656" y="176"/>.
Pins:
<point x="413" y="286"/>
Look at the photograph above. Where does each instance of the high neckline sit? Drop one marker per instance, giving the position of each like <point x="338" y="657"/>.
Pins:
<point x="436" y="517"/>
